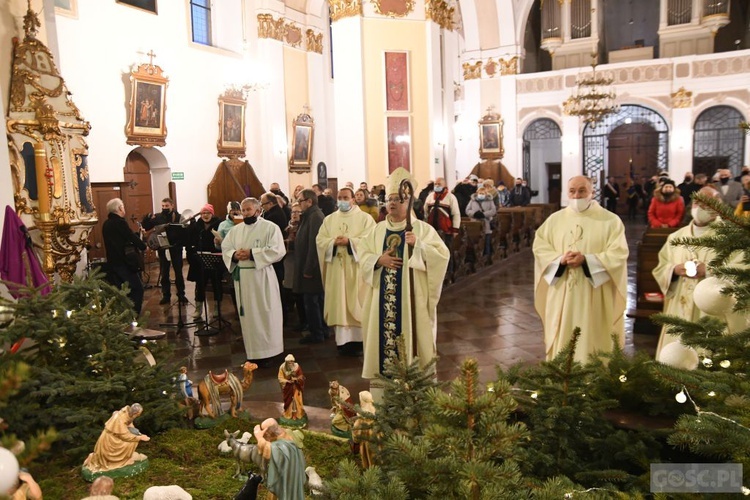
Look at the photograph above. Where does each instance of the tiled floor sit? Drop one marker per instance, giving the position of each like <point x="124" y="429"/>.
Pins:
<point x="489" y="316"/>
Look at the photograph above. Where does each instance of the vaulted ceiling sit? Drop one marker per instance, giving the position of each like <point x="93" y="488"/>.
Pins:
<point x="487" y="24"/>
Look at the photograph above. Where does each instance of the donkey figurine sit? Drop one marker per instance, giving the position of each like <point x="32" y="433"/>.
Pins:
<point x="247" y="453"/>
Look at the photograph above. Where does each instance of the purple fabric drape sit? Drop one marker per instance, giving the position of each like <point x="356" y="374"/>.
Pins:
<point x="15" y="244"/>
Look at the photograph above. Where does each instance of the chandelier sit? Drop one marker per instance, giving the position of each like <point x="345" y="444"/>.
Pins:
<point x="594" y="99"/>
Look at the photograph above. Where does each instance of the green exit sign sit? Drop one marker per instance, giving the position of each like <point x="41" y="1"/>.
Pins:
<point x="178" y="176"/>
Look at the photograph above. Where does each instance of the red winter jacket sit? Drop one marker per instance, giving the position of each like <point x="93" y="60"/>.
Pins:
<point x="662" y="212"/>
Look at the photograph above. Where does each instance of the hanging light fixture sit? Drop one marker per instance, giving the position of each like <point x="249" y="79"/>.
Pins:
<point x="594" y="99"/>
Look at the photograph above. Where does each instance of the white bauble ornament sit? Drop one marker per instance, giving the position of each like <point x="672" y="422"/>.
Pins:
<point x="708" y="298"/>
<point x="678" y="355"/>
<point x="8" y="470"/>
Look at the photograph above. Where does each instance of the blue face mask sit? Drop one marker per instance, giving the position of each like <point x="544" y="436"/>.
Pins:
<point x="481" y="197"/>
<point x="438" y="189"/>
<point x="344" y="206"/>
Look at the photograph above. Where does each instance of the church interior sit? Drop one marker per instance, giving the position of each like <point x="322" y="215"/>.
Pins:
<point x="210" y="101"/>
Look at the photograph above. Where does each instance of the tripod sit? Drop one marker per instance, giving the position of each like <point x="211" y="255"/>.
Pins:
<point x="211" y="262"/>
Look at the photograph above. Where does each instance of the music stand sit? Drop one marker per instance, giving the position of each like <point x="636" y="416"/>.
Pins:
<point x="211" y="262"/>
<point x="176" y="236"/>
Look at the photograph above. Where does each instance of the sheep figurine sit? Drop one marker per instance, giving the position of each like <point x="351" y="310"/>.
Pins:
<point x="171" y="492"/>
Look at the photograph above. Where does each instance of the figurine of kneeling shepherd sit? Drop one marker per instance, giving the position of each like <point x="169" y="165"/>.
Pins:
<point x="114" y="454"/>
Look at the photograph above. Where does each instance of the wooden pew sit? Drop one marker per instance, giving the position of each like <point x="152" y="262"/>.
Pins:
<point x="472" y="231"/>
<point x="648" y="293"/>
<point x="501" y="233"/>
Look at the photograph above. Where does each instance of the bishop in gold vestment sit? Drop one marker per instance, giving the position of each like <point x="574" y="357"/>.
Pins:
<point x="580" y="274"/>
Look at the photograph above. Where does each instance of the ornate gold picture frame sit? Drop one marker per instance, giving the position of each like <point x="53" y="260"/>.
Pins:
<point x="231" y="143"/>
<point x="302" y="143"/>
<point x="491" y="137"/>
<point x="146" y="117"/>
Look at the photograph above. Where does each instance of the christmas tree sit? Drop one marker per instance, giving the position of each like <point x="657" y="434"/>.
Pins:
<point x="716" y="422"/>
<point x="82" y="365"/>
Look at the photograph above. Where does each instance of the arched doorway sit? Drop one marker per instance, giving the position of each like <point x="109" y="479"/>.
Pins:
<point x="628" y="144"/>
<point x="718" y="141"/>
<point x="542" y="157"/>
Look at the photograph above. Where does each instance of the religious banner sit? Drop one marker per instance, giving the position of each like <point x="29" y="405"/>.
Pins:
<point x="399" y="143"/>
<point x="396" y="81"/>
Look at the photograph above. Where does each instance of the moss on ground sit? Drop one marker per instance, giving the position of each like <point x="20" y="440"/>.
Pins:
<point x="189" y="458"/>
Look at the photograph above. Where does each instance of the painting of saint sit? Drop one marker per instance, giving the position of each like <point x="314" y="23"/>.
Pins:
<point x="301" y="144"/>
<point x="232" y="123"/>
<point x="148" y="100"/>
<point x="490" y="139"/>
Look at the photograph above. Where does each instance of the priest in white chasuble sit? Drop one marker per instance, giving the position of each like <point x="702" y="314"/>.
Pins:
<point x="681" y="267"/>
<point x="580" y="274"/>
<point x="250" y="249"/>
<point x="387" y="266"/>
<point x="338" y="243"/>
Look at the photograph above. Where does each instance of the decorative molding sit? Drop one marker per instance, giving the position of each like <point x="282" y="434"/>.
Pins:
<point x="490" y="68"/>
<point x="509" y="66"/>
<point x="721" y="67"/>
<point x="393" y="8"/>
<point x="441" y="13"/>
<point x="682" y="98"/>
<point x="641" y="74"/>
<point x="339" y="9"/>
<point x="313" y="41"/>
<point x="293" y="35"/>
<point x="268" y="27"/>
<point x="472" y="71"/>
<point x="539" y="84"/>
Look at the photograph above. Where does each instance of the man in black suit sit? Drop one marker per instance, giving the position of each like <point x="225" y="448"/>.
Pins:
<point x="168" y="215"/>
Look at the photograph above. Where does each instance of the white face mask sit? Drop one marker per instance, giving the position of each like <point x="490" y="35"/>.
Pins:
<point x="580" y="204"/>
<point x="702" y="216"/>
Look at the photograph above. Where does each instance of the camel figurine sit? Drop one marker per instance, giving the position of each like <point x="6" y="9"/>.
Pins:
<point x="213" y="386"/>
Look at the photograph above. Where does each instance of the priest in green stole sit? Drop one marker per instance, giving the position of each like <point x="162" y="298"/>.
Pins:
<point x="580" y="274"/>
<point x="387" y="308"/>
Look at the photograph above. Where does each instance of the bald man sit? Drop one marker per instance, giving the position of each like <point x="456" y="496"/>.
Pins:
<point x="580" y="274"/>
<point x="681" y="268"/>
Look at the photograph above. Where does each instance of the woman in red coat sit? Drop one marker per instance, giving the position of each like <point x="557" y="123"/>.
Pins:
<point x="667" y="207"/>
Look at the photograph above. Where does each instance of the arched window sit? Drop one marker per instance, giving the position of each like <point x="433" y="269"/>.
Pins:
<point x="542" y="150"/>
<point x="718" y="141"/>
<point x="628" y="144"/>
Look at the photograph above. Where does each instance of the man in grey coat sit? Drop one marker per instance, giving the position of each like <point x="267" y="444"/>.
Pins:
<point x="307" y="278"/>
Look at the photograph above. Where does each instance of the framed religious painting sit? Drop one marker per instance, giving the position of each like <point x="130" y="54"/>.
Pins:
<point x="491" y="137"/>
<point x="231" y="143"/>
<point x="147" y="5"/>
<point x="146" y="116"/>
<point x="302" y="143"/>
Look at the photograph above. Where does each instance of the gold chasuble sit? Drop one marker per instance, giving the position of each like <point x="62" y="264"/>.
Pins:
<point x="339" y="269"/>
<point x="387" y="307"/>
<point x="591" y="296"/>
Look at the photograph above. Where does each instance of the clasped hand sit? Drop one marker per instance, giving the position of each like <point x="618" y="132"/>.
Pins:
<point x="242" y="254"/>
<point x="341" y="241"/>
<point x="572" y="259"/>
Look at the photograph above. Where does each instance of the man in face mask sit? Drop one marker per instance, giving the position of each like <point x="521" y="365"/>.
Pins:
<point x="681" y="267"/>
<point x="269" y="203"/>
<point x="167" y="216"/>
<point x="580" y="273"/>
<point x="520" y="196"/>
<point x="729" y="190"/>
<point x="250" y="249"/>
<point x="307" y="278"/>
<point x="337" y="242"/>
<point x="281" y="199"/>
<point x="667" y="208"/>
<point x="442" y="212"/>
